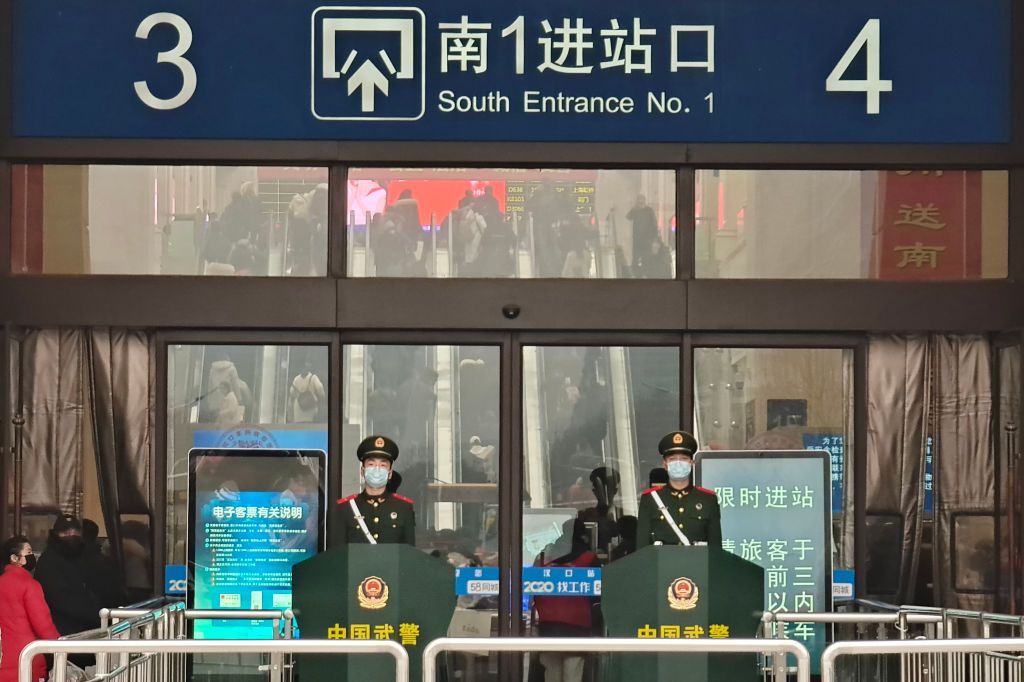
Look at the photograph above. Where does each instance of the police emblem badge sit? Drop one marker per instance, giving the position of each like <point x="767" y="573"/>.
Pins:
<point x="379" y="443"/>
<point x="677" y="439"/>
<point x="372" y="593"/>
<point x="683" y="594"/>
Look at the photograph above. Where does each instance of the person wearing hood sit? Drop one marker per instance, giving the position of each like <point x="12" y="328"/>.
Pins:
<point x="228" y="396"/>
<point x="406" y="211"/>
<point x="74" y="606"/>
<point x="25" y="617"/>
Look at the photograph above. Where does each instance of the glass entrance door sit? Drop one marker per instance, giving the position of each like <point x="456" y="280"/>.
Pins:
<point x="506" y="442"/>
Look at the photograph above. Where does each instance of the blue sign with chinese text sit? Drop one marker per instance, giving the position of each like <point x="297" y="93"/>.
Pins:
<point x="929" y="476"/>
<point x="558" y="581"/>
<point x="915" y="71"/>
<point x="833" y="444"/>
<point x="843" y="584"/>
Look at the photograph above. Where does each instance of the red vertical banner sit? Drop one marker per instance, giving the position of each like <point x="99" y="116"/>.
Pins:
<point x="927" y="225"/>
<point x="27" y="219"/>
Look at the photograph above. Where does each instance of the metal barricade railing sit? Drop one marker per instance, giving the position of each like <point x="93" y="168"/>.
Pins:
<point x="615" y="645"/>
<point x="279" y="663"/>
<point x="884" y="622"/>
<point x="963" y="625"/>
<point x="169" y="622"/>
<point x="150" y="649"/>
<point x="946" y="659"/>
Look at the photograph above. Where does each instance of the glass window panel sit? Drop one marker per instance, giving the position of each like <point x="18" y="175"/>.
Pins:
<point x="974" y="552"/>
<point x="494" y="222"/>
<point x="781" y="399"/>
<point x="169" y="220"/>
<point x="890" y="225"/>
<point x="441" y="405"/>
<point x="592" y="419"/>
<point x="1009" y="413"/>
<point x="221" y="396"/>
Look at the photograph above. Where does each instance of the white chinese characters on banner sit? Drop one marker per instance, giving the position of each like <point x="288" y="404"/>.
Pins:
<point x="569" y="46"/>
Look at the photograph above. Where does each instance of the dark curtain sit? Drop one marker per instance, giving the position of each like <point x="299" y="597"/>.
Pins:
<point x="53" y="404"/>
<point x="897" y="414"/>
<point x="121" y="384"/>
<point x="942" y="385"/>
<point x="67" y="376"/>
<point x="964" y="545"/>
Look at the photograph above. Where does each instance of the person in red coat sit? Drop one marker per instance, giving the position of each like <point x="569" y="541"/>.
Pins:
<point x="24" y="616"/>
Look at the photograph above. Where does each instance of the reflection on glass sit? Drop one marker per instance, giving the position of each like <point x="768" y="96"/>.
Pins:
<point x="169" y="220"/>
<point x="1009" y="413"/>
<point x="592" y="419"/>
<point x="440" y="404"/>
<point x="779" y="399"/>
<point x="974" y="552"/>
<point x="238" y="397"/>
<point x="891" y="225"/>
<point x="493" y="222"/>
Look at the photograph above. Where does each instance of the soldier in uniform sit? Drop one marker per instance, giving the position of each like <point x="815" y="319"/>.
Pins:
<point x="679" y="512"/>
<point x="376" y="515"/>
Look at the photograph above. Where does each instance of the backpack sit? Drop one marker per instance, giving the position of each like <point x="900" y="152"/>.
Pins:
<point x="307" y="399"/>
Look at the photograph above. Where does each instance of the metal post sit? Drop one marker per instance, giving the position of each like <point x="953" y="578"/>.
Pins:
<point x="531" y="240"/>
<point x="779" y="660"/>
<point x="367" y="259"/>
<point x="289" y="666"/>
<point x="19" y="425"/>
<point x="350" y="243"/>
<point x="515" y="249"/>
<point x="60" y="667"/>
<point x="1013" y="493"/>
<point x="433" y="245"/>
<point x="451" y="247"/>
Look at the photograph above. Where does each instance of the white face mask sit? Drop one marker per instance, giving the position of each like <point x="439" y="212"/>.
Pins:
<point x="375" y="476"/>
<point x="679" y="470"/>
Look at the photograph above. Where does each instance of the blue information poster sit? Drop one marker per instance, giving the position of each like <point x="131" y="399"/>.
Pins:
<point x="254" y="514"/>
<point x="832" y="443"/>
<point x="776" y="512"/>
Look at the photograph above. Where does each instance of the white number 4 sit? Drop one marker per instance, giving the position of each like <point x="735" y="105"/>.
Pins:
<point x="872" y="85"/>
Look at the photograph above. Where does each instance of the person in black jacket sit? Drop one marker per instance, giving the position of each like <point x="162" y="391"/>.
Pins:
<point x="99" y="570"/>
<point x="74" y="606"/>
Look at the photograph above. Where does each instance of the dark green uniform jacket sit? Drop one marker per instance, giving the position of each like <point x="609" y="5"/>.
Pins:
<point x="389" y="518"/>
<point x="694" y="510"/>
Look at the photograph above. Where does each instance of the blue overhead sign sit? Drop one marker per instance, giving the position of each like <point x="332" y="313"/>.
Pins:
<point x="913" y="71"/>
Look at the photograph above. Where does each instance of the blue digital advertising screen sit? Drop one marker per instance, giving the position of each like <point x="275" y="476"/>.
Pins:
<point x="253" y="514"/>
<point x="777" y="513"/>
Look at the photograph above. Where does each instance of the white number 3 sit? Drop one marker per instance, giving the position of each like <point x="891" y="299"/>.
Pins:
<point x="173" y="56"/>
